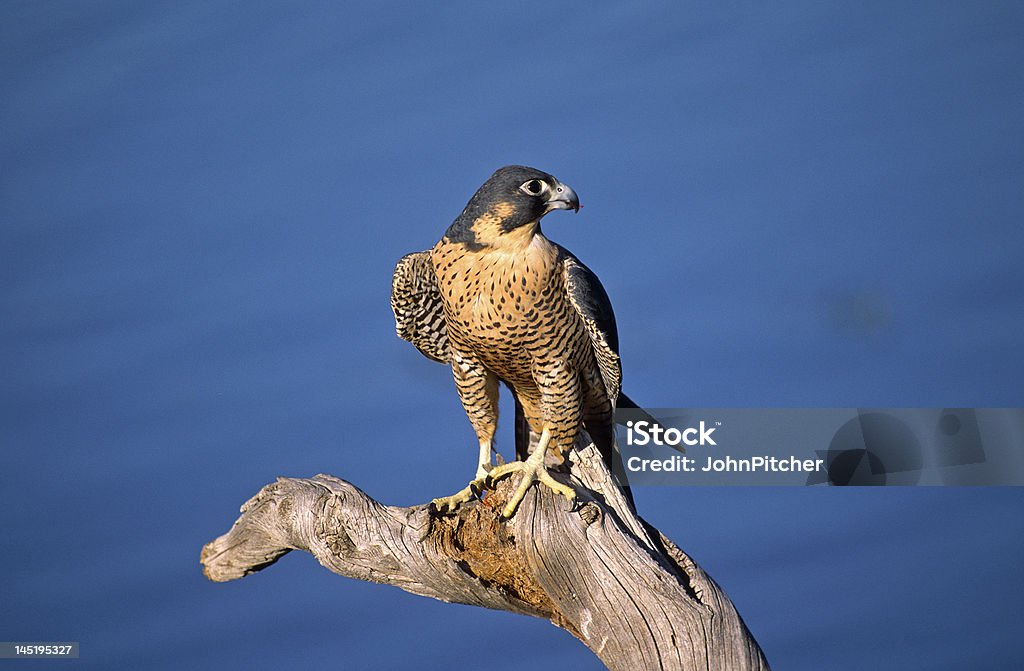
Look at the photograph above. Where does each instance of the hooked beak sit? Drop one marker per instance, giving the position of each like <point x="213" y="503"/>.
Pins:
<point x="563" y="198"/>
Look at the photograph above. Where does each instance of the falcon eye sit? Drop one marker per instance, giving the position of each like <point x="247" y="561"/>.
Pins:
<point x="534" y="187"/>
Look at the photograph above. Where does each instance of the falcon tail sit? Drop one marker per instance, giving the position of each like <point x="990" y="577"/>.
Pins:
<point x="630" y="404"/>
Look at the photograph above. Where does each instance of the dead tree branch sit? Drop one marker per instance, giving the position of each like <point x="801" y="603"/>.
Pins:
<point x="600" y="572"/>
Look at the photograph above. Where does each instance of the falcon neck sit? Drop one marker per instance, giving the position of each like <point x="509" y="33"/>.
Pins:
<point x="491" y="232"/>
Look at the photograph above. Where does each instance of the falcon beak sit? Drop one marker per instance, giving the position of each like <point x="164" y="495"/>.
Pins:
<point x="563" y="198"/>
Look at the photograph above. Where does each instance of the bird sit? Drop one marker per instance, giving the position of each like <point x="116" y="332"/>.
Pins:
<point x="497" y="301"/>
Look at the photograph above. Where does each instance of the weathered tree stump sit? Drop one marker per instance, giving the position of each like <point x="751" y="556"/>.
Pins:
<point x="598" y="571"/>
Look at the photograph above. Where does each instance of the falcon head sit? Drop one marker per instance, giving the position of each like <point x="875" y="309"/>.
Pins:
<point x="513" y="197"/>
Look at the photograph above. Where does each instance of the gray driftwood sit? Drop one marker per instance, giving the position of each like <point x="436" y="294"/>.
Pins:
<point x="598" y="571"/>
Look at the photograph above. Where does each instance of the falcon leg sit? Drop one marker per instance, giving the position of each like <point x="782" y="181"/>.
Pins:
<point x="478" y="391"/>
<point x="484" y="464"/>
<point x="533" y="470"/>
<point x="478" y="484"/>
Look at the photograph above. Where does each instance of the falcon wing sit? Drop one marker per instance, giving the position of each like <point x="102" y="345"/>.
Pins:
<point x="416" y="302"/>
<point x="591" y="302"/>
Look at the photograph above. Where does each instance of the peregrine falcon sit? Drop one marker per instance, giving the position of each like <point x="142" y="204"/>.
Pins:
<point x="499" y="302"/>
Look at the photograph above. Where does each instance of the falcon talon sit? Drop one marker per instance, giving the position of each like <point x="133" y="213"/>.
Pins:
<point x="438" y="507"/>
<point x="478" y="487"/>
<point x="449" y="504"/>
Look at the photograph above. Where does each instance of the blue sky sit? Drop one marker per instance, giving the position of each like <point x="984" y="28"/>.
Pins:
<point x="807" y="204"/>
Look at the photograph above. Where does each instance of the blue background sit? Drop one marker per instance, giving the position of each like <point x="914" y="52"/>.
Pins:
<point x="809" y="204"/>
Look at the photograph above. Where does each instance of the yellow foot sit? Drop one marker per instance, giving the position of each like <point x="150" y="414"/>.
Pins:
<point x="448" y="504"/>
<point x="533" y="470"/>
